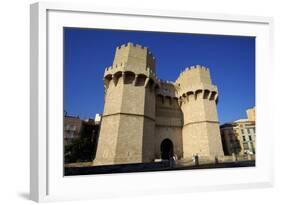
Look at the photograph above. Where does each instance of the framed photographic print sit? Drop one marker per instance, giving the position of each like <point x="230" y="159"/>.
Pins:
<point x="128" y="101"/>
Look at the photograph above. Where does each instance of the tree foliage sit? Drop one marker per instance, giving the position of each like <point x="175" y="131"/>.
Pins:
<point x="83" y="148"/>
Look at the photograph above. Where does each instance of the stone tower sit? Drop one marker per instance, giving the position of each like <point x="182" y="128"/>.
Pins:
<point x="128" y="122"/>
<point x="198" y="97"/>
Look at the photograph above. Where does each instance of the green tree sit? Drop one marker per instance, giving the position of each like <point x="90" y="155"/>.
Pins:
<point x="83" y="148"/>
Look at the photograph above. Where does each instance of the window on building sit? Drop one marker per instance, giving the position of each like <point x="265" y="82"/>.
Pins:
<point x="71" y="135"/>
<point x="72" y="127"/>
<point x="67" y="127"/>
<point x="246" y="146"/>
<point x="248" y="131"/>
<point x="250" y="137"/>
<point x="244" y="138"/>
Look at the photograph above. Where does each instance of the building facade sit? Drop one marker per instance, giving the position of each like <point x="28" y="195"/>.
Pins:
<point x="146" y="118"/>
<point x="239" y="137"/>
<point x="80" y="139"/>
<point x="72" y="126"/>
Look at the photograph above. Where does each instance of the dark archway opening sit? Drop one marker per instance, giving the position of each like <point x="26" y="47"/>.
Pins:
<point x="167" y="150"/>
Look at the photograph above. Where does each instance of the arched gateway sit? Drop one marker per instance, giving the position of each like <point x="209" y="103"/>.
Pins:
<point x="167" y="149"/>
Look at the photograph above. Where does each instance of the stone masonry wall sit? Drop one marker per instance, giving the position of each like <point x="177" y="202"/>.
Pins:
<point x="141" y="111"/>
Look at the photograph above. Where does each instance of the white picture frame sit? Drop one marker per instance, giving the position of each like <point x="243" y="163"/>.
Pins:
<point x="47" y="182"/>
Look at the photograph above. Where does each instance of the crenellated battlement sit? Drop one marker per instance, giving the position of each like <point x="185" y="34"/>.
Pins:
<point x="123" y="68"/>
<point x="136" y="46"/>
<point x="193" y="78"/>
<point x="130" y="44"/>
<point x="199" y="94"/>
<point x="124" y="74"/>
<point x="195" y="83"/>
<point x="134" y="55"/>
<point x="191" y="71"/>
<point x="167" y="88"/>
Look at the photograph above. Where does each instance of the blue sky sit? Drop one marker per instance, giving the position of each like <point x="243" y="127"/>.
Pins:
<point x="231" y="60"/>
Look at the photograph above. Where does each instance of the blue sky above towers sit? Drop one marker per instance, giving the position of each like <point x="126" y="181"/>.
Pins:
<point x="231" y="60"/>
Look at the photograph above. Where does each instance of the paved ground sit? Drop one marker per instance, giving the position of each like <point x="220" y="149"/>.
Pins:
<point x="149" y="167"/>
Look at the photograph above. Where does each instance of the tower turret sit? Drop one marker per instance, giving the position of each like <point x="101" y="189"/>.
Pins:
<point x="128" y="121"/>
<point x="198" y="97"/>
